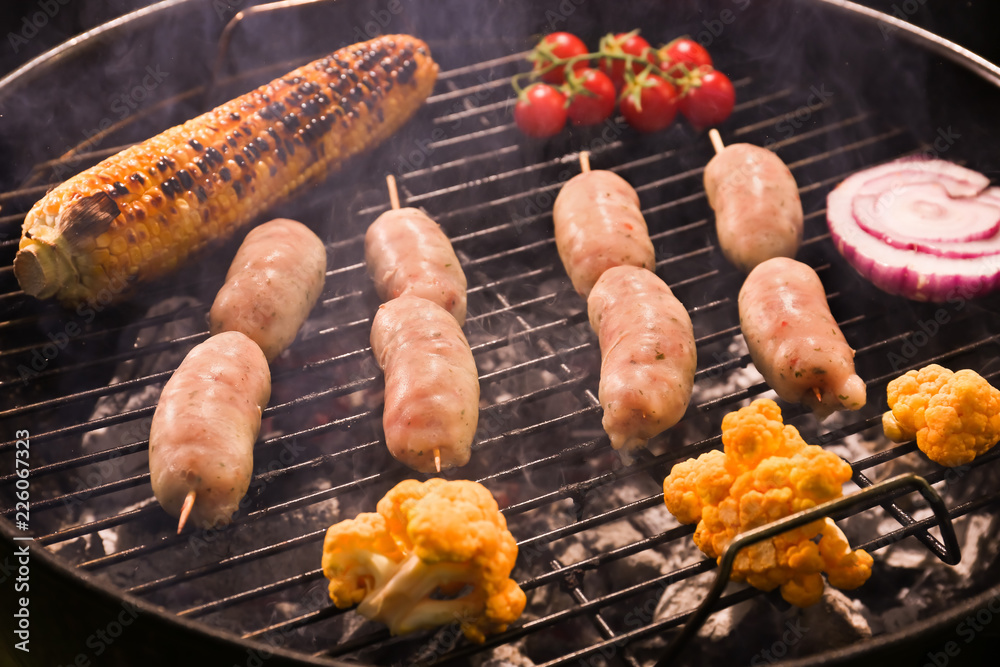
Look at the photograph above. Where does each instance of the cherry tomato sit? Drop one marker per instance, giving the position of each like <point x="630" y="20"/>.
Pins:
<point x="628" y="43"/>
<point x="540" y="111"/>
<point x="708" y="98"/>
<point x="684" y="50"/>
<point x="558" y="45"/>
<point x="595" y="101"/>
<point x="649" y="104"/>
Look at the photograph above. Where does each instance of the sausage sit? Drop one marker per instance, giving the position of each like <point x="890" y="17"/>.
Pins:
<point x="407" y="253"/>
<point x="648" y="354"/>
<point x="274" y="281"/>
<point x="794" y="341"/>
<point x="205" y="426"/>
<point x="431" y="383"/>
<point x="598" y="225"/>
<point x="758" y="213"/>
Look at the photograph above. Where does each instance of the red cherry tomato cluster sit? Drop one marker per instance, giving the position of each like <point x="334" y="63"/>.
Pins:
<point x="650" y="85"/>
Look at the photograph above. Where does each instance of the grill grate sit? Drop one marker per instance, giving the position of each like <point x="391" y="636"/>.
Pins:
<point x="539" y="448"/>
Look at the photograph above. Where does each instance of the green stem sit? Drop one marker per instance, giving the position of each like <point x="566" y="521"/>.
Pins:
<point x="536" y="74"/>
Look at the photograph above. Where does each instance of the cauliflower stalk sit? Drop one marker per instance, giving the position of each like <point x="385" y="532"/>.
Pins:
<point x="766" y="473"/>
<point x="435" y="552"/>
<point x="954" y="417"/>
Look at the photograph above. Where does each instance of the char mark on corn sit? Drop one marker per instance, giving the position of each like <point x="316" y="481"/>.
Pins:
<point x="141" y="213"/>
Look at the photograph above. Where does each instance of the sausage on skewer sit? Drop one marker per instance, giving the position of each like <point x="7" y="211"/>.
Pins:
<point x="648" y="354"/>
<point x="431" y="384"/>
<point x="598" y="225"/>
<point x="204" y="429"/>
<point x="758" y="213"/>
<point x="407" y="253"/>
<point x="272" y="285"/>
<point x="794" y="340"/>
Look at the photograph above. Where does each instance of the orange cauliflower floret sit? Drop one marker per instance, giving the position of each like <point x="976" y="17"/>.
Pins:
<point x="766" y="473"/>
<point x="954" y="417"/>
<point x="435" y="552"/>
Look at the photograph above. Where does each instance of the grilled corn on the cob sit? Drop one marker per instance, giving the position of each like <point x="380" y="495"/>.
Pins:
<point x="139" y="214"/>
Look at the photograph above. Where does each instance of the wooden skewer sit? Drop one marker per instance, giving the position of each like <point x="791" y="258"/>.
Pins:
<point x="585" y="161"/>
<point x="819" y="394"/>
<point x="716" y="138"/>
<point x="186" y="510"/>
<point x="390" y="182"/>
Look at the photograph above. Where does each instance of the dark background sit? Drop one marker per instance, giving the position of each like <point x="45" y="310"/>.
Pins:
<point x="970" y="23"/>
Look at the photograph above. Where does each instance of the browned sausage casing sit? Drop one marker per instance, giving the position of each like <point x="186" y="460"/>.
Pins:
<point x="272" y="285"/>
<point x="431" y="383"/>
<point x="758" y="213"/>
<point x="794" y="340"/>
<point x="407" y="253"/>
<point x="598" y="225"/>
<point x="648" y="354"/>
<point x="205" y="427"/>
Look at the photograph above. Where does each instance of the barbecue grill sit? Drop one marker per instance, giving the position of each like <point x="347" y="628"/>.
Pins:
<point x="831" y="87"/>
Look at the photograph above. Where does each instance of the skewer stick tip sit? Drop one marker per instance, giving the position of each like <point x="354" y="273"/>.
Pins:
<point x="437" y="459"/>
<point x="819" y="394"/>
<point x="716" y="139"/>
<point x="186" y="510"/>
<point x="585" y="161"/>
<point x="390" y="182"/>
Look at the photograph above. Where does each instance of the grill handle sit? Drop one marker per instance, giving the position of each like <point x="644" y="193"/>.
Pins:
<point x="876" y="494"/>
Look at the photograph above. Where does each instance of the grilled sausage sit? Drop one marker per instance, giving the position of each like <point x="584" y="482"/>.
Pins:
<point x="794" y="341"/>
<point x="431" y="383"/>
<point x="408" y="253"/>
<point x="598" y="225"/>
<point x="205" y="426"/>
<point x="758" y="214"/>
<point x="648" y="354"/>
<point x="272" y="284"/>
<point x="139" y="214"/>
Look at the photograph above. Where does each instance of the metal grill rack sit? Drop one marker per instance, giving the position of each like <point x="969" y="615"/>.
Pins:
<point x="540" y="447"/>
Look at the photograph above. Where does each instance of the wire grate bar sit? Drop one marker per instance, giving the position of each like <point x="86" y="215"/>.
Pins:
<point x="252" y="593"/>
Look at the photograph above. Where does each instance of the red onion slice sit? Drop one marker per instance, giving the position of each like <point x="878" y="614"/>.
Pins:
<point x="957" y="180"/>
<point x="922" y="215"/>
<point x="925" y="229"/>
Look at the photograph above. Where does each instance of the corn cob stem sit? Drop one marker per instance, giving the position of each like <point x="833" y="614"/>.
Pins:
<point x="141" y="213"/>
